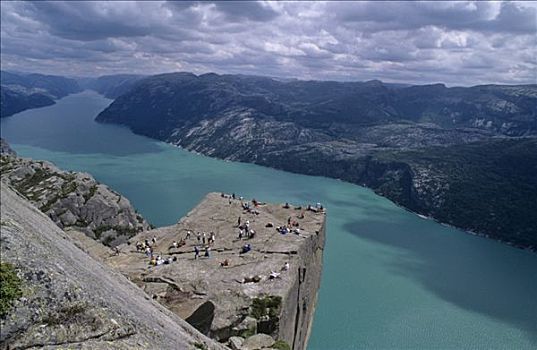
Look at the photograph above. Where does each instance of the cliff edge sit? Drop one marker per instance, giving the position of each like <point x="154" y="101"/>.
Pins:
<point x="243" y="288"/>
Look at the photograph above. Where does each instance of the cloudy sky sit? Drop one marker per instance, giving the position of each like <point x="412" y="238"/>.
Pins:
<point x="458" y="43"/>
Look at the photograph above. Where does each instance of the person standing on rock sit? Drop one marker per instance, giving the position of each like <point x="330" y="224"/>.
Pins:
<point x="196" y="252"/>
<point x="207" y="252"/>
<point x="239" y="222"/>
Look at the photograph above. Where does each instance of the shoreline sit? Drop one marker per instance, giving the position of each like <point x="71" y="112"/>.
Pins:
<point x="531" y="249"/>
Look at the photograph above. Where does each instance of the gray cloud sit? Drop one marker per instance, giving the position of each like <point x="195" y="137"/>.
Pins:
<point x="459" y="43"/>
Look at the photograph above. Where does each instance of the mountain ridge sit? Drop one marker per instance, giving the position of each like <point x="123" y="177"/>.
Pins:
<point x="344" y="130"/>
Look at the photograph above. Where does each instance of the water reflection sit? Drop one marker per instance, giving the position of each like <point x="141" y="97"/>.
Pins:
<point x="474" y="273"/>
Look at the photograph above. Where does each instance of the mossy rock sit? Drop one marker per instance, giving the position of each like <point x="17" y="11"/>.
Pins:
<point x="10" y="287"/>
<point x="267" y="306"/>
<point x="281" y="345"/>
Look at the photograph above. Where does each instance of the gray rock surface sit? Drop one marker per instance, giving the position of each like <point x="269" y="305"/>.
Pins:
<point x="257" y="341"/>
<point x="70" y="300"/>
<point x="5" y="148"/>
<point x="73" y="200"/>
<point x="235" y="343"/>
<point x="241" y="298"/>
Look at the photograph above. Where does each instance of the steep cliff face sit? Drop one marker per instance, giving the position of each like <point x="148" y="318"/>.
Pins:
<point x="234" y="295"/>
<point x="73" y="200"/>
<point x="68" y="300"/>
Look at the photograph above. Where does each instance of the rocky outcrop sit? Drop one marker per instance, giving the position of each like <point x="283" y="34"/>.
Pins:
<point x="73" y="200"/>
<point x="5" y="148"/>
<point x="69" y="300"/>
<point x="270" y="289"/>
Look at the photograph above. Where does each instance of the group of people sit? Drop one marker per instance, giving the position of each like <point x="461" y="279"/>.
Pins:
<point x="158" y="260"/>
<point x="244" y="229"/>
<point x="204" y="238"/>
<point x="146" y="246"/>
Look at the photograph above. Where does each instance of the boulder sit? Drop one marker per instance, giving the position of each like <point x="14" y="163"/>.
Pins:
<point x="235" y="343"/>
<point x="248" y="324"/>
<point x="258" y="341"/>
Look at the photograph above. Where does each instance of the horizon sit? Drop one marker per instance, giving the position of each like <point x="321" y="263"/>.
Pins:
<point x="281" y="79"/>
<point x="457" y="43"/>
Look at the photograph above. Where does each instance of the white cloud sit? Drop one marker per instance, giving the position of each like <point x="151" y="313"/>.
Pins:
<point x="459" y="43"/>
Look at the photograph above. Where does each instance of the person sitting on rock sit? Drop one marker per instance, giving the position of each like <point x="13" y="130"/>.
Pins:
<point x="286" y="206"/>
<point x="252" y="234"/>
<point x="240" y="233"/>
<point x="285" y="266"/>
<point x="224" y="263"/>
<point x="174" y="244"/>
<point x="274" y="275"/>
<point x="246" y="248"/>
<point x="116" y="251"/>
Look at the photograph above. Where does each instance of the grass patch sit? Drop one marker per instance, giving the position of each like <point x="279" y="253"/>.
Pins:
<point x="67" y="188"/>
<point x="266" y="306"/>
<point x="10" y="287"/>
<point x="39" y="176"/>
<point x="90" y="193"/>
<point x="201" y="346"/>
<point x="281" y="345"/>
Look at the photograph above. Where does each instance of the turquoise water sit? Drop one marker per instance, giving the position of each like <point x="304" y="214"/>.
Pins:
<point x="391" y="280"/>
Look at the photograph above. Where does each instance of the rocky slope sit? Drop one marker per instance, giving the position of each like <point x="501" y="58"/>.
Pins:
<point x="234" y="302"/>
<point x="25" y="91"/>
<point x="72" y="200"/>
<point x="14" y="100"/>
<point x="65" y="299"/>
<point x="393" y="139"/>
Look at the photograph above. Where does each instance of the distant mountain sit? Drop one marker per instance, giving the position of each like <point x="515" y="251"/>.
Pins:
<point x="54" y="86"/>
<point x="182" y="98"/>
<point x="14" y="101"/>
<point x="111" y="86"/>
<point x="25" y="91"/>
<point x="416" y="145"/>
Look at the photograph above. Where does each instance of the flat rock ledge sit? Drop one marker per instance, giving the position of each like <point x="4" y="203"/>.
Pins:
<point x="261" y="298"/>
